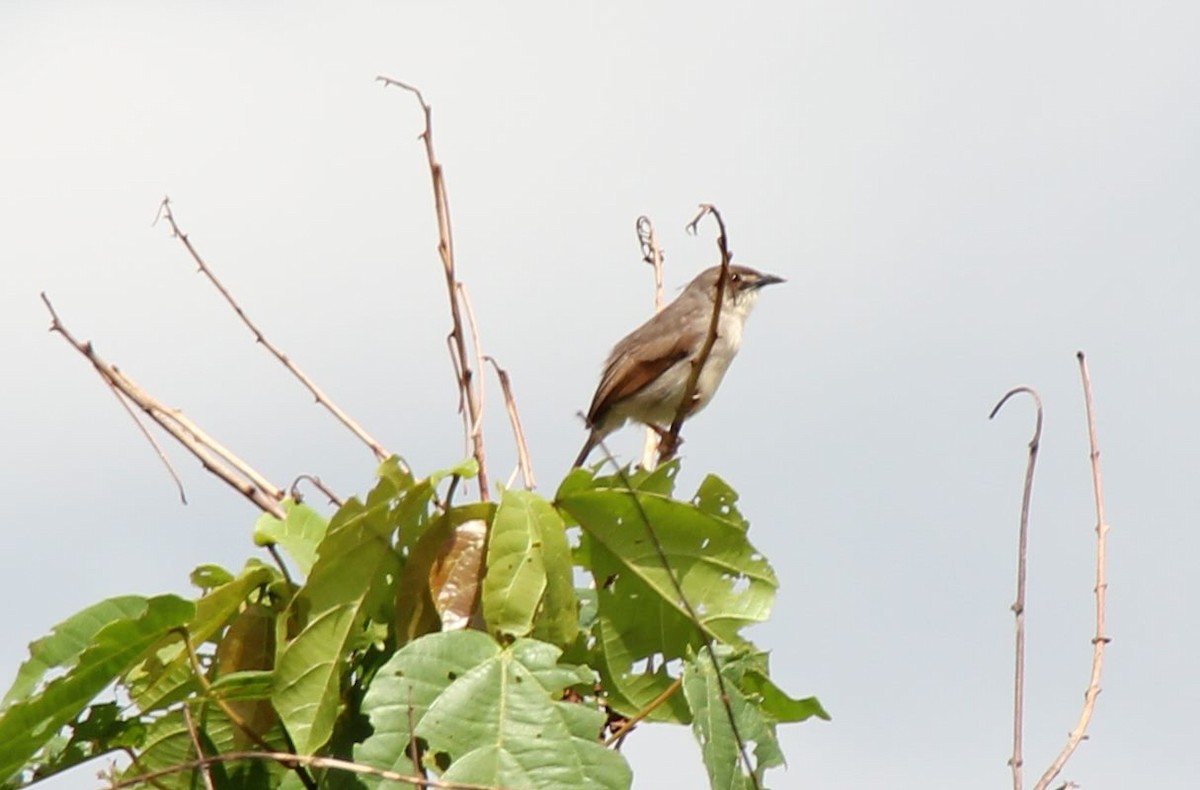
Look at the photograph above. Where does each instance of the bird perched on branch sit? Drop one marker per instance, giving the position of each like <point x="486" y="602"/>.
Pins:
<point x="646" y="373"/>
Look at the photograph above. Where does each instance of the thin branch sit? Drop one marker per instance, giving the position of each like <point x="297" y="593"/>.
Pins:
<point x="289" y="759"/>
<point x="162" y="455"/>
<point x="212" y="455"/>
<point x="321" y="398"/>
<point x="1017" y="761"/>
<point x="464" y="371"/>
<point x="1101" y="590"/>
<point x="317" y="484"/>
<point x="690" y="611"/>
<point x="670" y="442"/>
<point x="477" y="381"/>
<point x="198" y="669"/>
<point x="273" y="550"/>
<point x="653" y="705"/>
<point x="652" y="254"/>
<point x="514" y="417"/>
<point x="191" y="728"/>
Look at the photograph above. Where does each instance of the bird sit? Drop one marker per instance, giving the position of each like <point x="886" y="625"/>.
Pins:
<point x="647" y="371"/>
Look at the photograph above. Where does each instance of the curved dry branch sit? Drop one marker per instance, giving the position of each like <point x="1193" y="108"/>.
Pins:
<point x="317" y="393"/>
<point x="1099" y="641"/>
<point x="1017" y="761"/>
<point x="670" y="442"/>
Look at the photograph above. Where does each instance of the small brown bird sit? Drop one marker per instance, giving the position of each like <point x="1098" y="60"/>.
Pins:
<point x="646" y="373"/>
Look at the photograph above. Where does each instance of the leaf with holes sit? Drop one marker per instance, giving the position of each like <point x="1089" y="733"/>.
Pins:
<point x="642" y="617"/>
<point x="26" y="724"/>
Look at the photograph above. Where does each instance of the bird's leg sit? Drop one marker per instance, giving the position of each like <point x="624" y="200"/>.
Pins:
<point x="668" y="445"/>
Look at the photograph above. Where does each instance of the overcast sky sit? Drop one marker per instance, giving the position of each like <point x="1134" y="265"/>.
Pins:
<point x="960" y="195"/>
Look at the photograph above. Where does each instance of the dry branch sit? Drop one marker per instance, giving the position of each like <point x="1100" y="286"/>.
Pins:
<point x="670" y="442"/>
<point x="212" y="455"/>
<point x="524" y="462"/>
<point x="1017" y="761"/>
<point x="464" y="372"/>
<point x="317" y="393"/>
<point x="195" y="738"/>
<point x="287" y="758"/>
<point x="1099" y="640"/>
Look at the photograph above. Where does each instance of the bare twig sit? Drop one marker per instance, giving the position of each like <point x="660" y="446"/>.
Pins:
<point x="1101" y="589"/>
<point x="289" y="759"/>
<point x="510" y="403"/>
<point x="211" y="454"/>
<point x="237" y="721"/>
<point x="162" y="455"/>
<point x="321" y="398"/>
<point x="705" y="637"/>
<point x="473" y="327"/>
<point x="1017" y="761"/>
<point x="317" y="484"/>
<point x="670" y="442"/>
<point x="653" y="255"/>
<point x="653" y="705"/>
<point x="191" y="728"/>
<point x="464" y="371"/>
<point x="273" y="550"/>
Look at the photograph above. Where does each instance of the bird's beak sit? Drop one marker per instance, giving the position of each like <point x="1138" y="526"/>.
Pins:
<point x="768" y="279"/>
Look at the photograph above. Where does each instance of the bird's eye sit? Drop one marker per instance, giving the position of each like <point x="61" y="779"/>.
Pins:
<point x="737" y="278"/>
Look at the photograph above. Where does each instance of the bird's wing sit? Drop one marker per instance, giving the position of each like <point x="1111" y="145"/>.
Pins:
<point x="640" y="358"/>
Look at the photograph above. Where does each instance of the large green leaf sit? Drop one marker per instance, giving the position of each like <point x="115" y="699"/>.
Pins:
<point x="493" y="715"/>
<point x="299" y="533"/>
<point x="29" y="723"/>
<point x="347" y="582"/>
<point x="641" y="616"/>
<point x="528" y="583"/>
<point x="61" y="647"/>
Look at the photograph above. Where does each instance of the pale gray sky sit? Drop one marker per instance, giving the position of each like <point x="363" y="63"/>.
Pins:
<point x="960" y="195"/>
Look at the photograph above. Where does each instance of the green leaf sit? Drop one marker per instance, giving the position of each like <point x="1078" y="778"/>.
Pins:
<point x="348" y="581"/>
<point x="299" y="533"/>
<point x="641" y="616"/>
<point x="62" y="646"/>
<point x="244" y="685"/>
<point x="29" y="723"/>
<point x="528" y="578"/>
<point x="776" y="703"/>
<point x="207" y="577"/>
<point x="712" y="727"/>
<point x="494" y="715"/>
<point x="97" y="731"/>
<point x="716" y="498"/>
